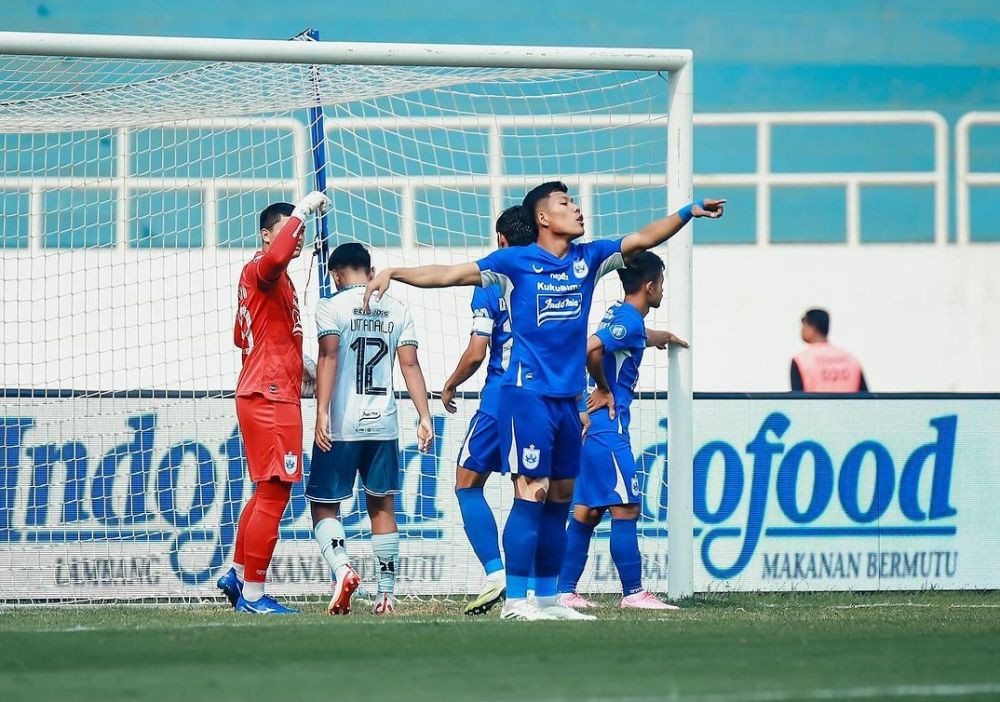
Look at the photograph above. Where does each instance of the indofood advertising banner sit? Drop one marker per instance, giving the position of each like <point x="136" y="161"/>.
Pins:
<point x="119" y="498"/>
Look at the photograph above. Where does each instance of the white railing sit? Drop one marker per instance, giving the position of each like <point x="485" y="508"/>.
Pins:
<point x="762" y="179"/>
<point x="965" y="177"/>
<point x="123" y="183"/>
<point x="495" y="181"/>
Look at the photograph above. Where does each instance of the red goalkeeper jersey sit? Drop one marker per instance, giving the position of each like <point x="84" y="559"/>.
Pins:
<point x="268" y="326"/>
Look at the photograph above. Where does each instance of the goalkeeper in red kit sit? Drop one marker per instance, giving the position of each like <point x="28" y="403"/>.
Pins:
<point x="268" y="405"/>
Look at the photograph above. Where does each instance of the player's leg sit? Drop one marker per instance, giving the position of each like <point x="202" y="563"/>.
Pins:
<point x="272" y="433"/>
<point x="331" y="481"/>
<point x="594" y="490"/>
<point x="480" y="456"/>
<point x="566" y="458"/>
<point x="578" y="536"/>
<point x="261" y="539"/>
<point x="385" y="546"/>
<point x="379" y="471"/>
<point x="527" y="433"/>
<point x="624" y="522"/>
<point x="231" y="583"/>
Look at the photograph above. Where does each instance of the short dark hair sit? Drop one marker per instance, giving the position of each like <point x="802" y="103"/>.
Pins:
<point x="515" y="228"/>
<point x="529" y="204"/>
<point x="644" y="268"/>
<point x="819" y="319"/>
<point x="351" y="255"/>
<point x="271" y="214"/>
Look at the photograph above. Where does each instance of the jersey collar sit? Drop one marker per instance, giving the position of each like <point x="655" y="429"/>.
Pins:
<point x="569" y="252"/>
<point x="349" y="287"/>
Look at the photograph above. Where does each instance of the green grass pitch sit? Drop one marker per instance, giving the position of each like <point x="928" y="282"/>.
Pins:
<point x="719" y="648"/>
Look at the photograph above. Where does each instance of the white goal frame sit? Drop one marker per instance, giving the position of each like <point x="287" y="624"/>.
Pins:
<point x="676" y="63"/>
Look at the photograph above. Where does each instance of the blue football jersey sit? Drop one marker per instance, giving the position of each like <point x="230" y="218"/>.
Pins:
<point x="623" y="333"/>
<point x="548" y="299"/>
<point x="490" y="319"/>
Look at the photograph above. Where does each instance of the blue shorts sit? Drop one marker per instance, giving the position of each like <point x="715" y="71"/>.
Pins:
<point x="480" y="451"/>
<point x="608" y="474"/>
<point x="333" y="472"/>
<point x="540" y="437"/>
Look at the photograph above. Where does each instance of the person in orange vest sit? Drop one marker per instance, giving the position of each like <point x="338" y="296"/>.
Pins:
<point x="821" y="366"/>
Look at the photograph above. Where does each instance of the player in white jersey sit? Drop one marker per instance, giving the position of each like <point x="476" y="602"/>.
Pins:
<point x="357" y="427"/>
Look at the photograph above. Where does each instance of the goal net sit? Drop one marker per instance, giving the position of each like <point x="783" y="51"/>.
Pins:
<point x="129" y="193"/>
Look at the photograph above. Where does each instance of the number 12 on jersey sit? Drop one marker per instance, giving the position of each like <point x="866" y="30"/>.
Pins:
<point x="367" y="362"/>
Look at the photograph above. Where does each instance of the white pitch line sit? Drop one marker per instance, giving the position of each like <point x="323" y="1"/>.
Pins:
<point x="172" y="627"/>
<point x="847" y="693"/>
<point x="886" y="605"/>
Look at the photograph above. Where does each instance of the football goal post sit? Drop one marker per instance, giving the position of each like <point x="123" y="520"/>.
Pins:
<point x="132" y="174"/>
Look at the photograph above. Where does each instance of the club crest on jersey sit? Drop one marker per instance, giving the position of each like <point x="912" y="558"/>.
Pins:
<point x="635" y="485"/>
<point x="530" y="457"/>
<point x="618" y="331"/>
<point x="291" y="463"/>
<point x="580" y="268"/>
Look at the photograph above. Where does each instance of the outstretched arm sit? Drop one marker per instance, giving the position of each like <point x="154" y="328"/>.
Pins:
<point x="655" y="233"/>
<point x="424" y="277"/>
<point x="468" y="364"/>
<point x="662" y="339"/>
<point x="413" y="377"/>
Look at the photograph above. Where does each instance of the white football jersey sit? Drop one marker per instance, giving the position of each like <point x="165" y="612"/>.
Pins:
<point x="363" y="406"/>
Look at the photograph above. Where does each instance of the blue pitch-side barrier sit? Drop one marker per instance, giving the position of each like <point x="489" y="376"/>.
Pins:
<point x="887" y="490"/>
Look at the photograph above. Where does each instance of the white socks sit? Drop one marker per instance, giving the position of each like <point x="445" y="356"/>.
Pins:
<point x="252" y="591"/>
<point x="386" y="548"/>
<point x="240" y="570"/>
<point x="331" y="539"/>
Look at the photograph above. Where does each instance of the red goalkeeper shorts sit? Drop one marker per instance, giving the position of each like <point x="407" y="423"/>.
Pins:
<point x="272" y="436"/>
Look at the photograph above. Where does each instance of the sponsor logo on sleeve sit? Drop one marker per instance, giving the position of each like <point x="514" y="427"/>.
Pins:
<point x="618" y="331"/>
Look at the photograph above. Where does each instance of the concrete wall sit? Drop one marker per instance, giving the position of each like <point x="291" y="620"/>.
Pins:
<point x="919" y="317"/>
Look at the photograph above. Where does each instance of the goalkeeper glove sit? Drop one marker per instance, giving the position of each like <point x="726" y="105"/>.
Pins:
<point x="314" y="202"/>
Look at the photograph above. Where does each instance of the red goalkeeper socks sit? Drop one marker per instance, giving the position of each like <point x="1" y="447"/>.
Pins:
<point x="261" y="529"/>
<point x="239" y="554"/>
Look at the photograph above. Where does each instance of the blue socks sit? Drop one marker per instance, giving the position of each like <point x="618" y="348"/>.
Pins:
<point x="480" y="527"/>
<point x="551" y="550"/>
<point x="625" y="554"/>
<point x="520" y="541"/>
<point x="577" y="546"/>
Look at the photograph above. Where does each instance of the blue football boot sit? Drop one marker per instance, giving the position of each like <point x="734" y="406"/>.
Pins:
<point x="231" y="586"/>
<point x="265" y="605"/>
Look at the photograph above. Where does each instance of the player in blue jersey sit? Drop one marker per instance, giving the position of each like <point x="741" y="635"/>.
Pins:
<point x="548" y="287"/>
<point x="480" y="453"/>
<point x="608" y="479"/>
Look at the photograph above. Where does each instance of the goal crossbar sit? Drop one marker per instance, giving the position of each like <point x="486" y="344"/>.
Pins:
<point x="336" y="53"/>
